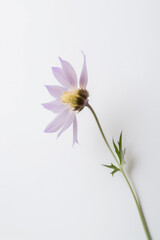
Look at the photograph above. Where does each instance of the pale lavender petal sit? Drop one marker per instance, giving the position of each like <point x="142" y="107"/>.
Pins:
<point x="67" y="124"/>
<point x="75" y="130"/>
<point x="58" y="122"/>
<point x="54" y="106"/>
<point x="56" y="91"/>
<point x="60" y="76"/>
<point x="69" y="73"/>
<point x="84" y="75"/>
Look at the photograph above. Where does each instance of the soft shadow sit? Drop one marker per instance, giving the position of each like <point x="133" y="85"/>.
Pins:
<point x="130" y="161"/>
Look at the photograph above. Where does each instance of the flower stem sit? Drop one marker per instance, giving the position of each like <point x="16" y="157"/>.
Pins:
<point x="138" y="207"/>
<point x="100" y="128"/>
<point x="124" y="175"/>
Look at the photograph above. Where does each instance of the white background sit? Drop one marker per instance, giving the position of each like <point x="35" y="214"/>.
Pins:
<point x="49" y="190"/>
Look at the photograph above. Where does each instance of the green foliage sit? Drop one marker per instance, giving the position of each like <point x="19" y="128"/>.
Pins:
<point x="119" y="151"/>
<point x="114" y="168"/>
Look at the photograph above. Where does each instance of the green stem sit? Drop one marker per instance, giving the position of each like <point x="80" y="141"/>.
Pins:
<point x="138" y="208"/>
<point x="100" y="128"/>
<point x="124" y="175"/>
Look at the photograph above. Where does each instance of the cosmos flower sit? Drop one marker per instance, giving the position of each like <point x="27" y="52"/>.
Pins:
<point x="69" y="98"/>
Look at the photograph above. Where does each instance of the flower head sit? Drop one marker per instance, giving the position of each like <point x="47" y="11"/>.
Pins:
<point x="69" y="98"/>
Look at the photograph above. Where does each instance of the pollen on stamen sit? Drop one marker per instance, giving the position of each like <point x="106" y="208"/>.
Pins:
<point x="76" y="98"/>
<point x="63" y="96"/>
<point x="70" y="97"/>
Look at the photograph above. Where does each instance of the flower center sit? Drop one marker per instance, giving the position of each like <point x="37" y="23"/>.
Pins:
<point x="76" y="98"/>
<point x="70" y="97"/>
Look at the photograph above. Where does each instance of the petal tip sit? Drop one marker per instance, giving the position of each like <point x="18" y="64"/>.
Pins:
<point x="54" y="69"/>
<point x="43" y="105"/>
<point x="84" y="55"/>
<point x="60" y="59"/>
<point x="45" y="130"/>
<point x="75" y="142"/>
<point x="57" y="136"/>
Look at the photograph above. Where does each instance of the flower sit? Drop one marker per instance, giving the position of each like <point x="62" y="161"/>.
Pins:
<point x="69" y="98"/>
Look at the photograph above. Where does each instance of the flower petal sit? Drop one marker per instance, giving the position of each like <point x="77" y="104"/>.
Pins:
<point x="69" y="73"/>
<point x="67" y="124"/>
<point x="54" y="106"/>
<point x="60" y="76"/>
<point x="58" y="122"/>
<point x="56" y="91"/>
<point x="75" y="130"/>
<point x="84" y="75"/>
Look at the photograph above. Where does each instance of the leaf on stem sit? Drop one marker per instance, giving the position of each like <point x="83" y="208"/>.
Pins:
<point x="119" y="151"/>
<point x="114" y="168"/>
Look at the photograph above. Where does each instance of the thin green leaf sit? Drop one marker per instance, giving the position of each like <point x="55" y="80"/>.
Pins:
<point x="115" y="169"/>
<point x="117" y="151"/>
<point x="120" y="141"/>
<point x="120" y="148"/>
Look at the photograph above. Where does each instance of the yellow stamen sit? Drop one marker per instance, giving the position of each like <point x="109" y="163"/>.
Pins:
<point x="70" y="97"/>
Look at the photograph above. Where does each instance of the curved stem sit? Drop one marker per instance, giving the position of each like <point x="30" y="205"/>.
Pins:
<point x="124" y="175"/>
<point x="100" y="128"/>
<point x="138" y="207"/>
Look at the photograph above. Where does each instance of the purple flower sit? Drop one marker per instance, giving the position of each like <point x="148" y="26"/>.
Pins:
<point x="69" y="98"/>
